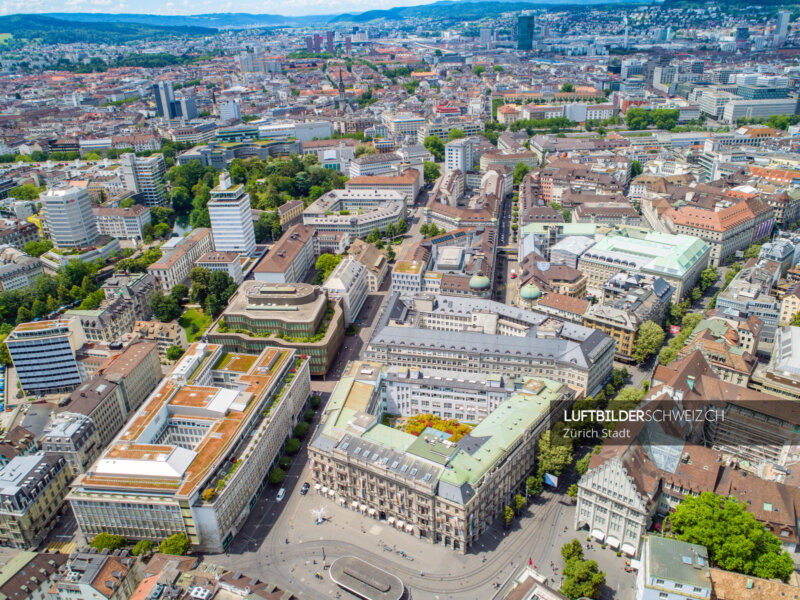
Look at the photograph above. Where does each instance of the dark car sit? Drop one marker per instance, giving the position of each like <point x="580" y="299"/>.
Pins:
<point x="304" y="489"/>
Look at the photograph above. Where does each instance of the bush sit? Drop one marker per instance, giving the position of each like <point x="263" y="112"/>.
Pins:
<point x="301" y="429"/>
<point x="103" y="541"/>
<point x="208" y="494"/>
<point x="293" y="445"/>
<point x="308" y="415"/>
<point x="174" y="352"/>
<point x="284" y="462"/>
<point x="142" y="547"/>
<point x="315" y="402"/>
<point x="177" y="544"/>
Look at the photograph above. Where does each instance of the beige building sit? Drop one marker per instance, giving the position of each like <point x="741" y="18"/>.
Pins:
<point x="790" y="305"/>
<point x="290" y="259"/>
<point x="195" y="456"/>
<point x="442" y="491"/>
<point x="163" y="334"/>
<point x="408" y="183"/>
<point x="373" y="260"/>
<point x="98" y="576"/>
<point x="32" y="490"/>
<point x="178" y="257"/>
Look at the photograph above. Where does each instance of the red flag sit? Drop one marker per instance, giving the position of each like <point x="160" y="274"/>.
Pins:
<point x="530" y="562"/>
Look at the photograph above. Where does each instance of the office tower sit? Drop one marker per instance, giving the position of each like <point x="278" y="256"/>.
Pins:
<point x="329" y="35"/>
<point x="625" y="43"/>
<point x="165" y="99"/>
<point x="68" y="217"/>
<point x="348" y="41"/>
<point x="309" y="43"/>
<point x="782" y="24"/>
<point x="317" y="43"/>
<point x="631" y="67"/>
<point x="458" y="156"/>
<point x="246" y="64"/>
<point x="525" y="31"/>
<point x="144" y="175"/>
<point x="43" y="353"/>
<point x="187" y="108"/>
<point x="486" y="37"/>
<point x="230" y="111"/>
<point x="231" y="219"/>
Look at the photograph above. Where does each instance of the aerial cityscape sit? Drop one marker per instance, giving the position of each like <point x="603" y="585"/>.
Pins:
<point x="491" y="300"/>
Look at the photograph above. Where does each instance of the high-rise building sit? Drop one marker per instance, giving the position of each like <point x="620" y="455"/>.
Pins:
<point x="458" y="156"/>
<point x="348" y="42"/>
<point x="231" y="219"/>
<point x="525" y="31"/>
<point x="317" y="42"/>
<point x="230" y="111"/>
<point x="144" y="175"/>
<point x="165" y="99"/>
<point x="782" y="24"/>
<point x="68" y="217"/>
<point x="631" y="67"/>
<point x="43" y="353"/>
<point x="310" y="43"/>
<point x="486" y="37"/>
<point x="329" y="35"/>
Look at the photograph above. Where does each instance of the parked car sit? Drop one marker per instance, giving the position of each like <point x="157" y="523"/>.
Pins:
<point x="304" y="489"/>
<point x="281" y="494"/>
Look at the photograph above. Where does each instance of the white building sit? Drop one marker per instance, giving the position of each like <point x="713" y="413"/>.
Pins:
<point x="230" y="111"/>
<point x="301" y="131"/>
<point x="122" y="223"/>
<point x="227" y="262"/>
<point x="231" y="219"/>
<point x="290" y="259"/>
<point x="673" y="570"/>
<point x="144" y="175"/>
<point x="68" y="217"/>
<point x="348" y="281"/>
<point x="735" y="109"/>
<point x="458" y="155"/>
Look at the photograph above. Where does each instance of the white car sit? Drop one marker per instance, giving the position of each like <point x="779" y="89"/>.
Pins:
<point x="281" y="494"/>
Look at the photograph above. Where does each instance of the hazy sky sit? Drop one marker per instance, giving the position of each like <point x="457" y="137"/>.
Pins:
<point x="188" y="7"/>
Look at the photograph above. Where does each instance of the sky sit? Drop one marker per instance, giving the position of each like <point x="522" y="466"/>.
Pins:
<point x="189" y="7"/>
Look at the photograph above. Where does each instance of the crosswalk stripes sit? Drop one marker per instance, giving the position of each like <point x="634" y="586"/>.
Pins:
<point x="61" y="547"/>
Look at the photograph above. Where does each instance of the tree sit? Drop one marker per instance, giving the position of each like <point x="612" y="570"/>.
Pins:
<point x="649" y="340"/>
<point x="637" y="118"/>
<point x="267" y="227"/>
<point x="181" y="201"/>
<point x="390" y="254"/>
<point x="435" y="146"/>
<point x="162" y="214"/>
<point x="162" y="230"/>
<point x="752" y="251"/>
<point x="276" y="476"/>
<point x="174" y="352"/>
<point x="177" y="545"/>
<point x="555" y="453"/>
<point x="326" y="263"/>
<point x="292" y="445"/>
<point x="478" y="70"/>
<point x="37" y="248"/>
<point x="24" y="192"/>
<point x="572" y="549"/>
<point x="497" y="69"/>
<point x="455" y="134"/>
<point x="795" y="322"/>
<point x="109" y="541"/>
<point x="430" y="171"/>
<point x="508" y="515"/>
<point x="708" y="277"/>
<point x="301" y="429"/>
<point x="735" y="540"/>
<point x="636" y="168"/>
<point x="582" y="578"/>
<point x="402" y="227"/>
<point x="567" y="88"/>
<point x="127" y="202"/>
<point x="165" y="308"/>
<point x="519" y="172"/>
<point x="519" y="502"/>
<point x="142" y="547"/>
<point x="179" y="292"/>
<point x="572" y="491"/>
<point x="364" y="149"/>
<point x="582" y="464"/>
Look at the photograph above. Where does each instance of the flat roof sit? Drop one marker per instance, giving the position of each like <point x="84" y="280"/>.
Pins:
<point x="366" y="580"/>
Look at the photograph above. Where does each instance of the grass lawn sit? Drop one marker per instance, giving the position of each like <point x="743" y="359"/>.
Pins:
<point x="195" y="322"/>
<point x="4" y="37"/>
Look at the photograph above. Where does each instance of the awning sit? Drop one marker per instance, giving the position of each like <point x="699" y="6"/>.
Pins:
<point x="363" y="508"/>
<point x="410" y="528"/>
<point x="613" y="542"/>
<point x="331" y="492"/>
<point x="354" y="504"/>
<point x="598" y="535"/>
<point x="316" y="487"/>
<point x="390" y="520"/>
<point x="324" y="490"/>
<point x="342" y="501"/>
<point x="628" y="549"/>
<point x="371" y="511"/>
<point x="400" y="524"/>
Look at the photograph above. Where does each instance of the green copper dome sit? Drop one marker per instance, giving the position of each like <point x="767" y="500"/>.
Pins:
<point x="530" y="292"/>
<point x="479" y="282"/>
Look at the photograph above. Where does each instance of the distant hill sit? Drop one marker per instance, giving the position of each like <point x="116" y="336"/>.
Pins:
<point x="213" y="20"/>
<point x="59" y="31"/>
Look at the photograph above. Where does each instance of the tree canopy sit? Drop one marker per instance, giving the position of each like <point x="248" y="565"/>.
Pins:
<point x="649" y="340"/>
<point x="735" y="540"/>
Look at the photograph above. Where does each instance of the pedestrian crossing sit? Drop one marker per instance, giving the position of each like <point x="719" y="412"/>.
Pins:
<point x="61" y="547"/>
